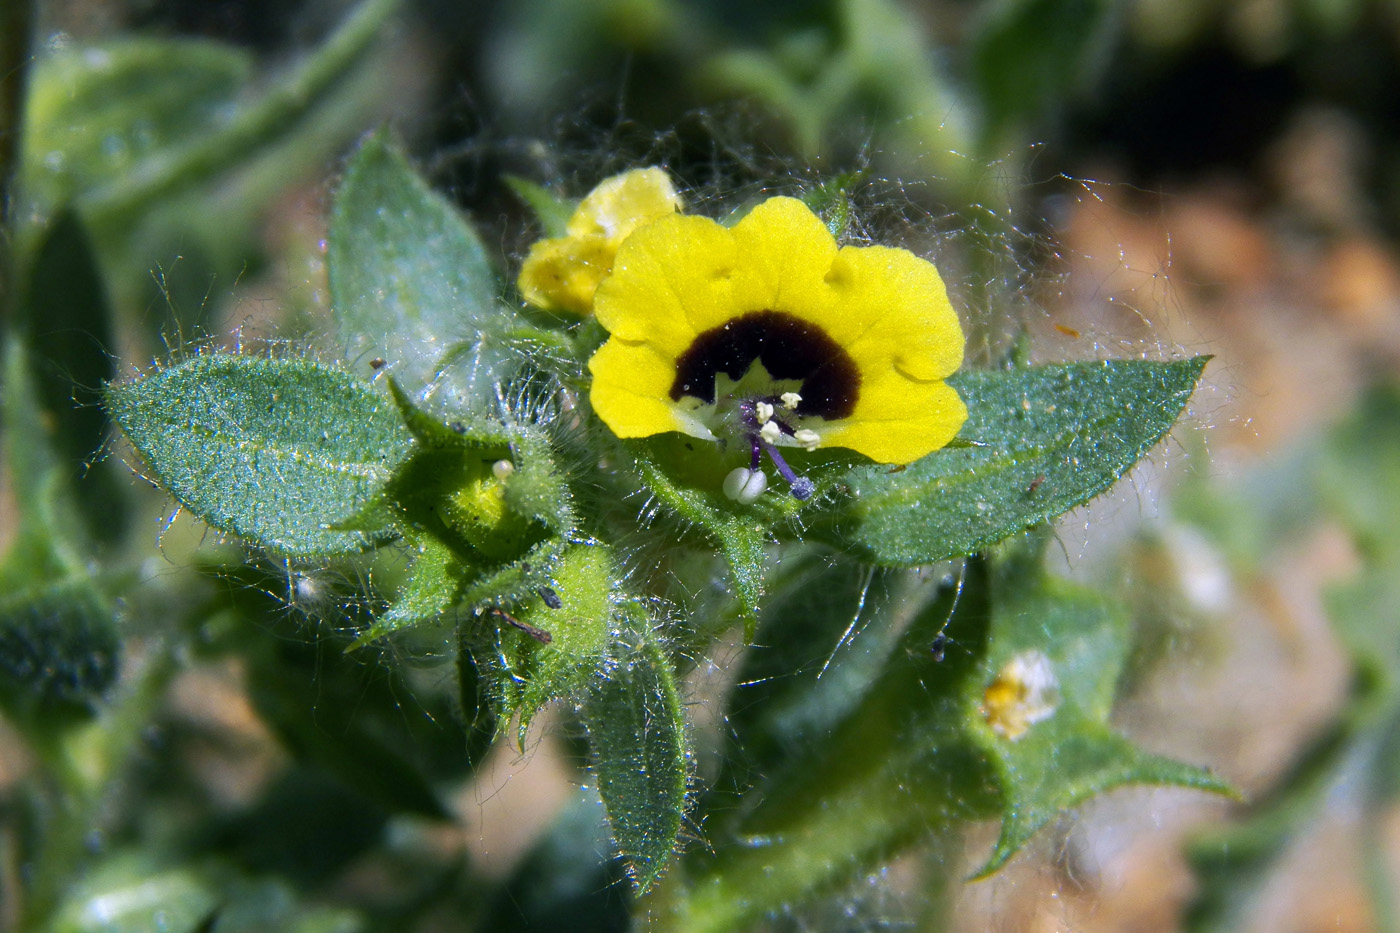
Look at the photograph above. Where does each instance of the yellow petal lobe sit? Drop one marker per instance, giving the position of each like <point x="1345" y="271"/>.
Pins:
<point x="563" y="273"/>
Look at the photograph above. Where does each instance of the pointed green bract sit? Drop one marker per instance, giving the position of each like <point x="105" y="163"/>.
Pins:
<point x="482" y="508"/>
<point x="274" y="451"/>
<point x="741" y="538"/>
<point x="584" y="587"/>
<point x="1043" y="440"/>
<point x="551" y="211"/>
<point x="635" y="725"/>
<point x="433" y="587"/>
<point x="685" y="475"/>
<point x="1068" y="753"/>
<point x="409" y="279"/>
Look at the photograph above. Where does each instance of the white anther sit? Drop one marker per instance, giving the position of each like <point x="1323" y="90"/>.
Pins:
<point x="502" y="469"/>
<point x="808" y="439"/>
<point x="763" y="411"/>
<point x="744" y="485"/>
<point x="791" y="400"/>
<point x="770" y="432"/>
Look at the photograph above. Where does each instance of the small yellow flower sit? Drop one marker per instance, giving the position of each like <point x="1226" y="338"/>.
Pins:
<point x="769" y="334"/>
<point x="563" y="273"/>
<point x="1024" y="693"/>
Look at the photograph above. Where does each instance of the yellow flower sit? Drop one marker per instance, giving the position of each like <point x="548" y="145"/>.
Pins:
<point x="1024" y="693"/>
<point x="768" y="334"/>
<point x="563" y="273"/>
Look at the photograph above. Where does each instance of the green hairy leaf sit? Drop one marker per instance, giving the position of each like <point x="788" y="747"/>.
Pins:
<point x="1044" y="440"/>
<point x="917" y="753"/>
<point x="274" y="451"/>
<point x="896" y="767"/>
<point x="65" y="316"/>
<point x="410" y="281"/>
<point x="52" y="539"/>
<point x="634" y="720"/>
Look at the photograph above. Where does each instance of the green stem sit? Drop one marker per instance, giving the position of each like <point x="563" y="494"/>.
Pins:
<point x="82" y="765"/>
<point x="16" y="26"/>
<point x="118" y="203"/>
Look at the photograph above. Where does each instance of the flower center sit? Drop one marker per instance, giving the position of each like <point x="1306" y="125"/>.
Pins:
<point x="787" y="346"/>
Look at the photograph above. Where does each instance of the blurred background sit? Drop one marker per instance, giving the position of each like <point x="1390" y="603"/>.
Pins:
<point x="1133" y="178"/>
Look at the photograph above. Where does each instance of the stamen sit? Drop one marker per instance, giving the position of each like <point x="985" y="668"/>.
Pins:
<point x="807" y="438"/>
<point x="770" y="432"/>
<point x="791" y="400"/>
<point x="802" y="487"/>
<point x="763" y="411"/>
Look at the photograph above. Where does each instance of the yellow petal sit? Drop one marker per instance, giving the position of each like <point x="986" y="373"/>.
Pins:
<point x="673" y="281"/>
<point x="630" y="414"/>
<point x="624" y="202"/>
<point x="896" y="309"/>
<point x="631" y="391"/>
<point x="563" y="274"/>
<point x="786" y="252"/>
<point x="898" y="420"/>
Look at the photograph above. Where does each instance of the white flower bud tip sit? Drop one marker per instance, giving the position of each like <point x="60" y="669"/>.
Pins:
<point x="744" y="485"/>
